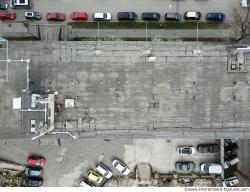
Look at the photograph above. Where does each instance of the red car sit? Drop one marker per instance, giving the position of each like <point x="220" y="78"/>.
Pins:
<point x="56" y="16"/>
<point x="79" y="16"/>
<point x="7" y="15"/>
<point x="36" y="160"/>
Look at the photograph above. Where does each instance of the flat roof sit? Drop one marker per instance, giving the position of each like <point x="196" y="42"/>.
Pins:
<point x="120" y="91"/>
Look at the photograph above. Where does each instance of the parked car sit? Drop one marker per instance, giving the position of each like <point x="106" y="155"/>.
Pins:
<point x="102" y="16"/>
<point x="127" y="16"/>
<point x="208" y="148"/>
<point x="36" y="160"/>
<point x="7" y="15"/>
<point x="33" y="171"/>
<point x="227" y="142"/>
<point x="231" y="181"/>
<point x="32" y="181"/>
<point x="230" y="161"/>
<point x="121" y="167"/>
<point x="151" y="16"/>
<point x="103" y="170"/>
<point x="3" y="6"/>
<point x="192" y="15"/>
<point x="232" y="148"/>
<point x="94" y="177"/>
<point x="245" y="3"/>
<point x="184" y="166"/>
<point x="35" y="15"/>
<point x="229" y="154"/>
<point x="172" y="16"/>
<point x="85" y="183"/>
<point x="56" y="16"/>
<point x="78" y="15"/>
<point x="186" y="150"/>
<point x="213" y="168"/>
<point x="20" y="4"/>
<point x="215" y="17"/>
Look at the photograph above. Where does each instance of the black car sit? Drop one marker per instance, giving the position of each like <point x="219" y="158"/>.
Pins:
<point x="227" y="142"/>
<point x="184" y="166"/>
<point x="172" y="16"/>
<point x="33" y="171"/>
<point x="151" y="16"/>
<point x="232" y="148"/>
<point x="127" y="16"/>
<point x="32" y="182"/>
<point x="208" y="148"/>
<point x="229" y="155"/>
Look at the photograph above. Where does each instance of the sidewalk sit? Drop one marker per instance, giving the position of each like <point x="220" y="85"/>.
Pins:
<point x="208" y="33"/>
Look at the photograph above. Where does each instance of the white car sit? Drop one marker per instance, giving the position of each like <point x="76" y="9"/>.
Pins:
<point x="212" y="168"/>
<point x="183" y="150"/>
<point x="123" y="169"/>
<point x="33" y="15"/>
<point x="230" y="182"/>
<point x="103" y="170"/>
<point x="245" y="3"/>
<point x="102" y="16"/>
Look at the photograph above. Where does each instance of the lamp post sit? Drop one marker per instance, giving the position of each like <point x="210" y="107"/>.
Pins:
<point x="98" y="31"/>
<point x="146" y="34"/>
<point x="197" y="50"/>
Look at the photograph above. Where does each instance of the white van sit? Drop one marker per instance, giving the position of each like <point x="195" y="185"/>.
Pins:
<point x="213" y="168"/>
<point x="245" y="3"/>
<point x="22" y="4"/>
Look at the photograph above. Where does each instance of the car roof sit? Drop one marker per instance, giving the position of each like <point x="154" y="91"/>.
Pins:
<point x="93" y="175"/>
<point x="3" y="13"/>
<point x="98" y="15"/>
<point x="215" y="168"/>
<point x="191" y="14"/>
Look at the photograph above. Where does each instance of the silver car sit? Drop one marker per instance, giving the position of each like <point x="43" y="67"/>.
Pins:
<point x="183" y="150"/>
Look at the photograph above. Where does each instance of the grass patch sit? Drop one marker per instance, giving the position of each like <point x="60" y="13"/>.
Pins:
<point x="26" y="38"/>
<point x="151" y="25"/>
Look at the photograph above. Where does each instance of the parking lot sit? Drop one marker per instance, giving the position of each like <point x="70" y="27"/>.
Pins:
<point x="162" y="154"/>
<point x="65" y="165"/>
<point x="114" y="6"/>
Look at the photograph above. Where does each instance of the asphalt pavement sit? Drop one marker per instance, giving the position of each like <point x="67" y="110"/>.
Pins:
<point x="68" y="163"/>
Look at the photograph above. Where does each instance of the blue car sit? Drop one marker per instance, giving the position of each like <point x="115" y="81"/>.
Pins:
<point x="215" y="17"/>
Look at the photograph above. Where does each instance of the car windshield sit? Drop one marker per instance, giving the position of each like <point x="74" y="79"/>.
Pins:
<point x="37" y="14"/>
<point x="121" y="167"/>
<point x="130" y="15"/>
<point x="186" y="151"/>
<point x="185" y="167"/>
<point x="206" y="168"/>
<point x="105" y="15"/>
